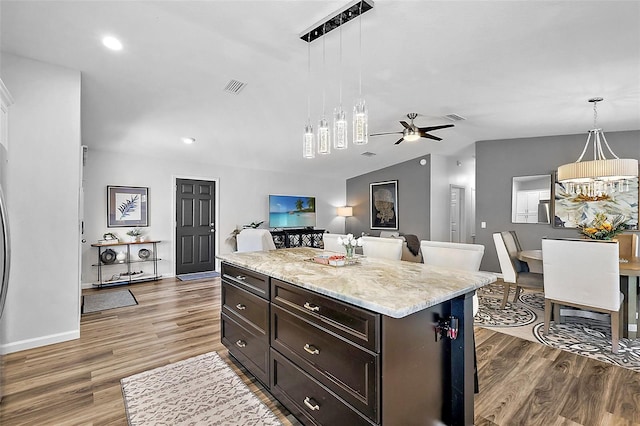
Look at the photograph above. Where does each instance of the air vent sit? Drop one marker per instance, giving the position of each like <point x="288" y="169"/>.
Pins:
<point x="368" y="154"/>
<point x="234" y="86"/>
<point x="455" y="117"/>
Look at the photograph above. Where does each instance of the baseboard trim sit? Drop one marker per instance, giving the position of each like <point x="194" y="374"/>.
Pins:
<point x="37" y="342"/>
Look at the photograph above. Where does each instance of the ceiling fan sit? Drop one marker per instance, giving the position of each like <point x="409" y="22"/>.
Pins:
<point x="412" y="132"/>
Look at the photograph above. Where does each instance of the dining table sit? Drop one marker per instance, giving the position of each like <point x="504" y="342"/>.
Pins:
<point x="629" y="267"/>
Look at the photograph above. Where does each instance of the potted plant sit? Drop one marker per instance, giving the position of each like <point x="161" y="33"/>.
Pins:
<point x="134" y="234"/>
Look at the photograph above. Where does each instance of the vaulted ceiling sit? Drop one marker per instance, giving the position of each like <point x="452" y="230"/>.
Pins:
<point x="511" y="68"/>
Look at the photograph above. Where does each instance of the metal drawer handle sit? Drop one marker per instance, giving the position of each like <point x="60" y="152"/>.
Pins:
<point x="312" y="308"/>
<point x="314" y="407"/>
<point x="241" y="343"/>
<point x="241" y="277"/>
<point x="241" y="307"/>
<point x="311" y="349"/>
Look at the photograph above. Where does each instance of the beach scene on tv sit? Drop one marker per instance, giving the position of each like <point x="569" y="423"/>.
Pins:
<point x="287" y="211"/>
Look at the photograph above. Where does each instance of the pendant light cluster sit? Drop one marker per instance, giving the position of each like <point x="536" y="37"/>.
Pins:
<point x="320" y="142"/>
<point x="600" y="176"/>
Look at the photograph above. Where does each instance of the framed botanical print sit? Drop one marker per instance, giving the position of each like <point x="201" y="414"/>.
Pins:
<point x="127" y="206"/>
<point x="383" y="204"/>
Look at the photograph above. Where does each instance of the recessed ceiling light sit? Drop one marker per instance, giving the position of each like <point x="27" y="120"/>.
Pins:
<point x="188" y="141"/>
<point x="112" y="43"/>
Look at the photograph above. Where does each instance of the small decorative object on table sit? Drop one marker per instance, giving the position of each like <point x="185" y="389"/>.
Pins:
<point x="135" y="234"/>
<point x="350" y="243"/>
<point x="601" y="228"/>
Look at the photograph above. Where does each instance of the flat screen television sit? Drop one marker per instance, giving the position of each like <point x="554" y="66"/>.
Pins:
<point x="292" y="211"/>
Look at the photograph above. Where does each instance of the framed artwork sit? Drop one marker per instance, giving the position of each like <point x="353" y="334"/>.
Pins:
<point x="127" y="206"/>
<point x="571" y="209"/>
<point x="383" y="204"/>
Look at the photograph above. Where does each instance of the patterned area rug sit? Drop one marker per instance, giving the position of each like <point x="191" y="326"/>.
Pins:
<point x="513" y="314"/>
<point x="591" y="339"/>
<point x="197" y="391"/>
<point x="101" y="301"/>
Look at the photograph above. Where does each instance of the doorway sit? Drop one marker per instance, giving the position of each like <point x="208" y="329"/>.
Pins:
<point x="195" y="235"/>
<point x="456" y="214"/>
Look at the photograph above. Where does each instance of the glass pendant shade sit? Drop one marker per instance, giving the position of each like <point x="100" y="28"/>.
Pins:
<point x="324" y="137"/>
<point x="308" y="149"/>
<point x="360" y="123"/>
<point x="340" y="140"/>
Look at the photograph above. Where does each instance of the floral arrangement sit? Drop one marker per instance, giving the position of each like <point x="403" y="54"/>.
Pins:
<point x="601" y="228"/>
<point x="350" y="243"/>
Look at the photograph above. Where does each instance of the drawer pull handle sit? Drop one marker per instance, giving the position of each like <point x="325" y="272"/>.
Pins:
<point x="241" y="277"/>
<point x="311" y="349"/>
<point x="312" y="308"/>
<point x="241" y="343"/>
<point x="312" y="407"/>
<point x="241" y="307"/>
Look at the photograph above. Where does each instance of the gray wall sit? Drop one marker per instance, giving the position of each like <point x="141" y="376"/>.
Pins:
<point x="413" y="198"/>
<point x="498" y="161"/>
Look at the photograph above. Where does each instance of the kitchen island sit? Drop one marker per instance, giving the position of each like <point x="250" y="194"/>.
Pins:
<point x="361" y="344"/>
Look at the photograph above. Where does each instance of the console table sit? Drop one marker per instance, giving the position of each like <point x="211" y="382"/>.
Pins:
<point x="297" y="238"/>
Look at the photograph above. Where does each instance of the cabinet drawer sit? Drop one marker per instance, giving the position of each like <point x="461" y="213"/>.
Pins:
<point x="310" y="401"/>
<point x="246" y="347"/>
<point x="353" y="323"/>
<point x="251" y="281"/>
<point x="347" y="369"/>
<point x="241" y="304"/>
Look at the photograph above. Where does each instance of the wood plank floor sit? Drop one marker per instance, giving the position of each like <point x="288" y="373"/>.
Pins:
<point x="78" y="382"/>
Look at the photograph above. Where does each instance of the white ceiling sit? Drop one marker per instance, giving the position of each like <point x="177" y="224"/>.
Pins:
<point x="511" y="68"/>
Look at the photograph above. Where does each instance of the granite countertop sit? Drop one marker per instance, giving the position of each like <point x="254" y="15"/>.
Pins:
<point x="389" y="287"/>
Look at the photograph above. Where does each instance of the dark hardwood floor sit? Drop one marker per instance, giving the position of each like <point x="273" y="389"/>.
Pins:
<point x="78" y="382"/>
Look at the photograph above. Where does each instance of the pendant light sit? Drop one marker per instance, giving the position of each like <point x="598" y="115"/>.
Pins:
<point x="340" y="140"/>
<point x="600" y="175"/>
<point x="360" y="114"/>
<point x="324" y="136"/>
<point x="308" y="149"/>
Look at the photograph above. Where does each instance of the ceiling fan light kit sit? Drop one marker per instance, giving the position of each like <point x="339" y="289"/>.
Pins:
<point x="601" y="175"/>
<point x="360" y="114"/>
<point x="412" y="132"/>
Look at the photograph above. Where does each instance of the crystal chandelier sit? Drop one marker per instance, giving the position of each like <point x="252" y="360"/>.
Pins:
<point x="600" y="176"/>
<point x="308" y="150"/>
<point x="360" y="114"/>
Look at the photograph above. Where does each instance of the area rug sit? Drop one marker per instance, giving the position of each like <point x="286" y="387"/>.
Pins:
<point x="198" y="276"/>
<point x="197" y="391"/>
<point x="513" y="314"/>
<point x="103" y="300"/>
<point x="590" y="338"/>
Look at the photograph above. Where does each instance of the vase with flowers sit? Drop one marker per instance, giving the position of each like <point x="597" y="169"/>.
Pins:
<point x="350" y="243"/>
<point x="603" y="228"/>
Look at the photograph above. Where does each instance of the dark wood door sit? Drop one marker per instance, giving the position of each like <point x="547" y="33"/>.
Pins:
<point x="195" y="226"/>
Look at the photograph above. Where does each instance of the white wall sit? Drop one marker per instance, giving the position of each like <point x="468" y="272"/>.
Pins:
<point x="243" y="196"/>
<point x="439" y="219"/>
<point x="43" y="301"/>
<point x="462" y="172"/>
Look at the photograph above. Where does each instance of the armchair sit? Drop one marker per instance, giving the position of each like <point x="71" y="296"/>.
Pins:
<point x="251" y="239"/>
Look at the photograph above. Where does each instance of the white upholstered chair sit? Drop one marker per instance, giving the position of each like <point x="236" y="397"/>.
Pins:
<point x="583" y="274"/>
<point x="454" y="255"/>
<point x="385" y="248"/>
<point x="512" y="275"/>
<point x="331" y="242"/>
<point x="251" y="239"/>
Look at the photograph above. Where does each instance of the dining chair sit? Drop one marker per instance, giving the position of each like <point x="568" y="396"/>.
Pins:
<point x="513" y="276"/>
<point x="513" y="247"/>
<point x="584" y="274"/>
<point x="251" y="239"/>
<point x="384" y="248"/>
<point x="331" y="242"/>
<point x="627" y="245"/>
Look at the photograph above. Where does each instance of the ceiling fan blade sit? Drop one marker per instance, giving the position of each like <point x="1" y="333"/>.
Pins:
<point x="428" y="136"/>
<point x="428" y="129"/>
<point x="399" y="140"/>
<point x="388" y="133"/>
<point x="405" y="125"/>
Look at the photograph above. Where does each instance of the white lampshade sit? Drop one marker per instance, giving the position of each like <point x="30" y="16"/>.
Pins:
<point x="345" y="211"/>
<point x="586" y="171"/>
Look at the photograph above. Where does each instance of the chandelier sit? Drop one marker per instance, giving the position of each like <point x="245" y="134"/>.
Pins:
<point x="600" y="176"/>
<point x="360" y="114"/>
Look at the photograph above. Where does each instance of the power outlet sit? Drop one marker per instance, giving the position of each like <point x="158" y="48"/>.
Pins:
<point x="483" y="225"/>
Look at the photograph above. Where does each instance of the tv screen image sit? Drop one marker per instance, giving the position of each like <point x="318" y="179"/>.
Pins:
<point x="291" y="211"/>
